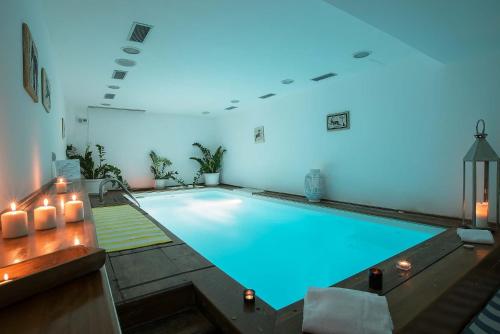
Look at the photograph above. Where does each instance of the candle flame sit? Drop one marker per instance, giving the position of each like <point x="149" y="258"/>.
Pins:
<point x="76" y="242"/>
<point x="13" y="206"/>
<point x="16" y="261"/>
<point x="5" y="277"/>
<point x="45" y="202"/>
<point x="73" y="197"/>
<point x="60" y="180"/>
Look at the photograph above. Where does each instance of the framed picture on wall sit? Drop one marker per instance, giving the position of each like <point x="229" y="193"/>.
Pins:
<point x="30" y="64"/>
<point x="259" y="135"/>
<point x="338" y="121"/>
<point x="63" y="128"/>
<point x="45" y="91"/>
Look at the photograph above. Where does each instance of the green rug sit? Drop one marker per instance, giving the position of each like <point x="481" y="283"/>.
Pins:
<point x="122" y="227"/>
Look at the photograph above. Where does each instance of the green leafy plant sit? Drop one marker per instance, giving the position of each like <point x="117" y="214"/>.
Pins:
<point x="92" y="170"/>
<point x="209" y="163"/>
<point x="159" y="168"/>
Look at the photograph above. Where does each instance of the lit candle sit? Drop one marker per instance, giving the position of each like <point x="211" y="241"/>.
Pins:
<point x="14" y="223"/>
<point x="482" y="214"/>
<point x="73" y="210"/>
<point x="5" y="279"/>
<point x="45" y="216"/>
<point x="403" y="265"/>
<point x="249" y="296"/>
<point x="375" y="279"/>
<point x="61" y="186"/>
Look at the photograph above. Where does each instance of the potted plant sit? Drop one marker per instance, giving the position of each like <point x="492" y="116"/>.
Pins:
<point x="210" y="164"/>
<point x="92" y="172"/>
<point x="159" y="170"/>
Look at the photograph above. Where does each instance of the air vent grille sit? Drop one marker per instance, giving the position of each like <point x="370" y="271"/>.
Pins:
<point x="120" y="75"/>
<point x="139" y="32"/>
<point x="266" y="96"/>
<point x="109" y="96"/>
<point x="324" y="76"/>
<point x="231" y="107"/>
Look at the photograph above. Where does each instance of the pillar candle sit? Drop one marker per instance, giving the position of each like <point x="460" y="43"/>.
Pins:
<point x="61" y="186"/>
<point x="482" y="214"/>
<point x="14" y="223"/>
<point x="73" y="210"/>
<point x="375" y="279"/>
<point x="45" y="216"/>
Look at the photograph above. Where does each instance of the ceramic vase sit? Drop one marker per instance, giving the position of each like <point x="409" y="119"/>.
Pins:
<point x="313" y="185"/>
<point x="211" y="179"/>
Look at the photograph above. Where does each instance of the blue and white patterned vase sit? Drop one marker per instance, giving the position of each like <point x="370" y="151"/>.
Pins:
<point x="313" y="185"/>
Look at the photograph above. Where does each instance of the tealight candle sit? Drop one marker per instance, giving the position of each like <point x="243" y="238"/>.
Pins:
<point x="73" y="210"/>
<point x="5" y="279"/>
<point x="61" y="186"/>
<point x="45" y="216"/>
<point x="482" y="214"/>
<point x="403" y="265"/>
<point x="375" y="279"/>
<point x="249" y="296"/>
<point x="14" y="223"/>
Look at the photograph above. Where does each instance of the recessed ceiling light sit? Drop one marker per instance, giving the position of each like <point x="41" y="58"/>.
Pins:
<point x="235" y="101"/>
<point x="361" y="54"/>
<point x="105" y="104"/>
<point x="109" y="96"/>
<point x="205" y="112"/>
<point x="267" y="96"/>
<point x="231" y="108"/>
<point x="125" y="62"/>
<point x="287" y="81"/>
<point x="131" y="50"/>
<point x="114" y="87"/>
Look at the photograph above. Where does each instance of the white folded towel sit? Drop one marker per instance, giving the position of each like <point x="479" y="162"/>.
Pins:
<point x="475" y="236"/>
<point x="345" y="311"/>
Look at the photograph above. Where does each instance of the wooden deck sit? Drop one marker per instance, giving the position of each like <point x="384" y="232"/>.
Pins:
<point x="424" y="301"/>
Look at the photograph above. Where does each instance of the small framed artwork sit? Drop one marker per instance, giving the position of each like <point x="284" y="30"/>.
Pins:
<point x="63" y="128"/>
<point x="338" y="121"/>
<point x="45" y="91"/>
<point x="30" y="64"/>
<point x="259" y="135"/>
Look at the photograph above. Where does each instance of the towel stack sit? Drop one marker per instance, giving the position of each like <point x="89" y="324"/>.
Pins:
<point x="475" y="236"/>
<point x="344" y="311"/>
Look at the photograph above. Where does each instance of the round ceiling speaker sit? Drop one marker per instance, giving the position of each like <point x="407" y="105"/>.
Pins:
<point x="235" y="101"/>
<point x="361" y="54"/>
<point x="287" y="81"/>
<point x="131" y="50"/>
<point x="205" y="112"/>
<point x="125" y="62"/>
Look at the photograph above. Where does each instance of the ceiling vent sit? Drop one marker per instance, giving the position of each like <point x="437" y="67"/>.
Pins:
<point x="266" y="96"/>
<point x="231" y="108"/>
<point x="119" y="75"/>
<point x="324" y="76"/>
<point x="139" y="32"/>
<point x="109" y="96"/>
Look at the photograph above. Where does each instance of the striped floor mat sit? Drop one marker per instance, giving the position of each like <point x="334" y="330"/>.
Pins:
<point x="488" y="321"/>
<point x="123" y="227"/>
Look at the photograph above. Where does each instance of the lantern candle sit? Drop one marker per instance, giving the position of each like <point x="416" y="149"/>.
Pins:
<point x="375" y="279"/>
<point x="73" y="210"/>
<point x="45" y="216"/>
<point x="482" y="214"/>
<point x="14" y="223"/>
<point x="61" y="186"/>
<point x="249" y="296"/>
<point x="403" y="265"/>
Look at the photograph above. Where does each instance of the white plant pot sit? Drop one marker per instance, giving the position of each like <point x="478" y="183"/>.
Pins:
<point x="92" y="186"/>
<point x="160" y="183"/>
<point x="211" y="179"/>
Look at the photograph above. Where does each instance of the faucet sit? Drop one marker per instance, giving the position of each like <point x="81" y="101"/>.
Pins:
<point x="108" y="180"/>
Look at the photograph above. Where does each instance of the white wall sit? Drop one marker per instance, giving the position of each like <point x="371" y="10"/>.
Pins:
<point x="28" y="135"/>
<point x="129" y="136"/>
<point x="411" y="125"/>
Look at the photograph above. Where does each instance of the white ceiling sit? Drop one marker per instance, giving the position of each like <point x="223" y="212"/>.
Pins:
<point x="203" y="53"/>
<point x="446" y="30"/>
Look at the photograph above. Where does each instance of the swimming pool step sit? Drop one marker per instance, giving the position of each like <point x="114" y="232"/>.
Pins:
<point x="191" y="321"/>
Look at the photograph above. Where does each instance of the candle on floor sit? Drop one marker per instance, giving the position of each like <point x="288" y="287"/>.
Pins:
<point x="73" y="210"/>
<point x="403" y="265"/>
<point x="375" y="279"/>
<point x="45" y="216"/>
<point x="14" y="223"/>
<point x="249" y="296"/>
<point x="61" y="186"/>
<point x="482" y="214"/>
<point x="5" y="279"/>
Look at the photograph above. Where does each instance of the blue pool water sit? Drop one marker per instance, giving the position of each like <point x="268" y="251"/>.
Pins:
<point x="279" y="248"/>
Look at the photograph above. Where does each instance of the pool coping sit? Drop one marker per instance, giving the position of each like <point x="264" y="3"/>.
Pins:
<point x="264" y="318"/>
